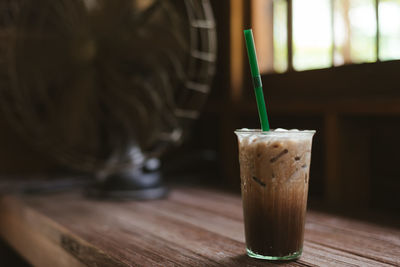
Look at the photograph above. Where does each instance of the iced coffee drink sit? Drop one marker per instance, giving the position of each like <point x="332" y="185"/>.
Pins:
<point x="274" y="171"/>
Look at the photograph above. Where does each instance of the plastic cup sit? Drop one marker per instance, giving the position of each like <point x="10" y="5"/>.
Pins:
<point x="274" y="172"/>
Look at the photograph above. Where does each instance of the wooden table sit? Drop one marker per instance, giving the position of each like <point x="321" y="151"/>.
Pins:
<point x="193" y="227"/>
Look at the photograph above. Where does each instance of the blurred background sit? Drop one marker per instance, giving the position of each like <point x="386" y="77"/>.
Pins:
<point x="328" y="65"/>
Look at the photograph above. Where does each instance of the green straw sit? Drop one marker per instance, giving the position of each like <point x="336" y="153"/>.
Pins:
<point x="255" y="73"/>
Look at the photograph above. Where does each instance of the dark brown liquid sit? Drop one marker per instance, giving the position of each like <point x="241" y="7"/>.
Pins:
<point x="274" y="177"/>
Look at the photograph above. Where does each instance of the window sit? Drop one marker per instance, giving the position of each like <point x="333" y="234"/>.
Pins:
<point x="314" y="34"/>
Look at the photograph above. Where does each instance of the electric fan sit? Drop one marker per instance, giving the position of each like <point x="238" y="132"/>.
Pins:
<point x="106" y="86"/>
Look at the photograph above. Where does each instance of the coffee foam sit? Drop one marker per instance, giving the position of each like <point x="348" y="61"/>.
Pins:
<point x="285" y="130"/>
<point x="251" y="136"/>
<point x="272" y="130"/>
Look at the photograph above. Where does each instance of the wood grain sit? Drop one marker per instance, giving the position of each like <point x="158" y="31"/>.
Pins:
<point x="193" y="227"/>
<point x="16" y="230"/>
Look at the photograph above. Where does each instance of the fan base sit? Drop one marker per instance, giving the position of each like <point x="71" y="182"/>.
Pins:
<point x="130" y="185"/>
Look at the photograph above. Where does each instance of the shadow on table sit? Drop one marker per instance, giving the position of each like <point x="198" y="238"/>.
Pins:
<point x="246" y="261"/>
<point x="9" y="257"/>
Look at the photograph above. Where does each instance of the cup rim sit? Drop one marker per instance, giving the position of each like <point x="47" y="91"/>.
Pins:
<point x="272" y="131"/>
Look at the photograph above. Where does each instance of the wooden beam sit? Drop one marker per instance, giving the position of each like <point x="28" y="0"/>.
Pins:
<point x="356" y="142"/>
<point x="368" y="80"/>
<point x="290" y="34"/>
<point x="333" y="186"/>
<point x="262" y="23"/>
<point x="349" y="106"/>
<point x="347" y="45"/>
<point x="237" y="48"/>
<point x="333" y="49"/>
<point x="377" y="38"/>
